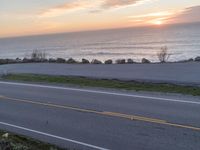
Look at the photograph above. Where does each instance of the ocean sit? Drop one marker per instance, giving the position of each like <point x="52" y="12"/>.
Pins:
<point x="182" y="40"/>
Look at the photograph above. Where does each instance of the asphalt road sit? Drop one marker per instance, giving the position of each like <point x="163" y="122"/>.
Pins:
<point x="101" y="119"/>
<point x="178" y="73"/>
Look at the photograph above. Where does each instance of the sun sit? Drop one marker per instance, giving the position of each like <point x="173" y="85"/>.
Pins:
<point x="158" y="22"/>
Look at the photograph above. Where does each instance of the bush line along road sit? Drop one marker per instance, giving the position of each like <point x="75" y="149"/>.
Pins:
<point x="41" y="56"/>
<point x="85" y="61"/>
<point x="115" y="84"/>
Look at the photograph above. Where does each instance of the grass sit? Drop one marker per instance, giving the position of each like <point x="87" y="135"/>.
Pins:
<point x="116" y="84"/>
<point x="18" y="142"/>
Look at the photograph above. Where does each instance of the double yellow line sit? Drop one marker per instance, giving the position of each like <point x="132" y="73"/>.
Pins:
<point x="105" y="113"/>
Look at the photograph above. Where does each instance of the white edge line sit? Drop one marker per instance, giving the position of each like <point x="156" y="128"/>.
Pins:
<point x="53" y="136"/>
<point x="100" y="92"/>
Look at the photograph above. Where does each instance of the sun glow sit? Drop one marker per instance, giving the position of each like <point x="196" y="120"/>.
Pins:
<point x="157" y="18"/>
<point x="158" y="22"/>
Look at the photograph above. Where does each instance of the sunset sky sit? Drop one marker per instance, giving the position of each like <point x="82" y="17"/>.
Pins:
<point x="25" y="17"/>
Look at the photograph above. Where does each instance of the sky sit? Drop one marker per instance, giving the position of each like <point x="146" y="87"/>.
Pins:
<point x="28" y="17"/>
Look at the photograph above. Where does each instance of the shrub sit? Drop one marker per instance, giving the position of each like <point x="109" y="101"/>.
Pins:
<point x="95" y="61"/>
<point x="120" y="61"/>
<point x="197" y="58"/>
<point x="37" y="55"/>
<point x="71" y="61"/>
<point x="109" y="61"/>
<point x="163" y="54"/>
<point x="130" y="61"/>
<point x="145" y="61"/>
<point x="60" y="60"/>
<point x="85" y="61"/>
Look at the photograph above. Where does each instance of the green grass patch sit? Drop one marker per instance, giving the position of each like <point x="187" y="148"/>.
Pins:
<point x="116" y="84"/>
<point x="18" y="142"/>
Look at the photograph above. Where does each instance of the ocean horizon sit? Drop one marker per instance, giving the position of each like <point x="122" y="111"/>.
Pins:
<point x="182" y="40"/>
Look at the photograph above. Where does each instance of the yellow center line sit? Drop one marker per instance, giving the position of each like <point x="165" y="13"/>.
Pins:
<point x="48" y="104"/>
<point x="134" y="117"/>
<point x="105" y="113"/>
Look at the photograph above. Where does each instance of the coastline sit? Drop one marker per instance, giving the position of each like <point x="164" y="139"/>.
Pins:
<point x="86" y="61"/>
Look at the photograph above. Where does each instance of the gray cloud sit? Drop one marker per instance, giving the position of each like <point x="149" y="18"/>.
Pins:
<point x="118" y="3"/>
<point x="191" y="14"/>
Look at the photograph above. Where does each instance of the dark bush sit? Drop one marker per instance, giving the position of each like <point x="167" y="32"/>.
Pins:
<point x="145" y="61"/>
<point x="109" y="61"/>
<point x="120" y="61"/>
<point x="60" y="60"/>
<point x="85" y="61"/>
<point x="95" y="61"/>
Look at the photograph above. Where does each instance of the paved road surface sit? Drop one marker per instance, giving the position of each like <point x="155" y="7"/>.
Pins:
<point x="181" y="73"/>
<point x="101" y="119"/>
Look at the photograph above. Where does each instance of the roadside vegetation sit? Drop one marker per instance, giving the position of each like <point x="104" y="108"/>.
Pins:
<point x="163" y="54"/>
<point x="10" y="141"/>
<point x="38" y="56"/>
<point x="116" y="84"/>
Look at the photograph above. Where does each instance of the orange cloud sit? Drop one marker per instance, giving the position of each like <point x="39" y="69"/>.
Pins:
<point x="93" y="6"/>
<point x="153" y="18"/>
<point x="62" y="9"/>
